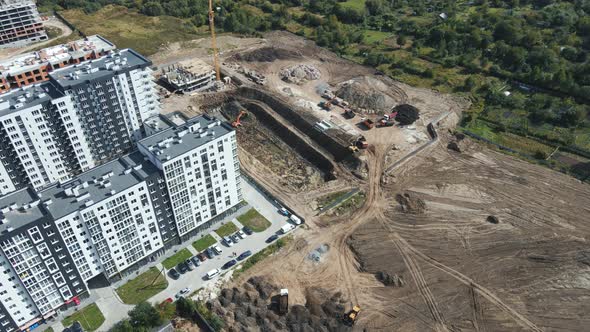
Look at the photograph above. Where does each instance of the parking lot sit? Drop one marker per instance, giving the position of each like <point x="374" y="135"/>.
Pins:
<point x="257" y="241"/>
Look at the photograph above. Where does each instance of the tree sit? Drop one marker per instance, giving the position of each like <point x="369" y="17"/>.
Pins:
<point x="401" y="40"/>
<point x="185" y="307"/>
<point x="469" y="83"/>
<point x="123" y="326"/>
<point x="144" y="315"/>
<point x="152" y="8"/>
<point x="506" y="31"/>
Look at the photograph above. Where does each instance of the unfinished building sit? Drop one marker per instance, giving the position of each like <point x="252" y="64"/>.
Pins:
<point x="189" y="76"/>
<point x="20" y="23"/>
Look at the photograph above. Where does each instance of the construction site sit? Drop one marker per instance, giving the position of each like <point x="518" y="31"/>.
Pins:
<point x="446" y="235"/>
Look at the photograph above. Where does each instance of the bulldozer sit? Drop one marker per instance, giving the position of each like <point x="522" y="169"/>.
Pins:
<point x="351" y="316"/>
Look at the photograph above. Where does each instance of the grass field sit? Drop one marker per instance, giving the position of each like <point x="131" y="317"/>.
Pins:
<point x="90" y="317"/>
<point x="330" y="198"/>
<point x="354" y="4"/>
<point x="143" y="287"/>
<point x="254" y="220"/>
<point x="178" y="257"/>
<point x="204" y="242"/>
<point x="226" y="229"/>
<point x="372" y="36"/>
<point x="128" y="29"/>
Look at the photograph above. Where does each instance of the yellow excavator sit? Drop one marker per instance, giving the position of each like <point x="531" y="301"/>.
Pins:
<point x="351" y="316"/>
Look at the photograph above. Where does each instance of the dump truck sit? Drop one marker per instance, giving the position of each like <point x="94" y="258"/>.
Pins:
<point x="284" y="301"/>
<point x="369" y="123"/>
<point x="351" y="316"/>
<point x="327" y="105"/>
<point x="385" y="123"/>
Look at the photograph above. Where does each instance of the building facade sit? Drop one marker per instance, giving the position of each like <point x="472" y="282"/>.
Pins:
<point x="112" y="218"/>
<point x="85" y="115"/>
<point x="20" y="23"/>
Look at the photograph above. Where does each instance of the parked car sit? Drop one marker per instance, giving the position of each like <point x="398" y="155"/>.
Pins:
<point x="182" y="268"/>
<point x="174" y="274"/>
<point x="183" y="292"/>
<point x="202" y="257"/>
<point x="227" y="240"/>
<point x="217" y="249"/>
<point x="284" y="212"/>
<point x="196" y="260"/>
<point x="210" y="253"/>
<point x="294" y="219"/>
<point x="272" y="238"/>
<point x="77" y="327"/>
<point x="287" y="228"/>
<point x="241" y="234"/>
<point x="235" y="238"/>
<point x="229" y="264"/>
<point x="244" y="255"/>
<point x="190" y="265"/>
<point x="211" y="274"/>
<point x="247" y="230"/>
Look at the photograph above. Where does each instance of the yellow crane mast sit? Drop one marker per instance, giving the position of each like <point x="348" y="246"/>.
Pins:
<point x="213" y="40"/>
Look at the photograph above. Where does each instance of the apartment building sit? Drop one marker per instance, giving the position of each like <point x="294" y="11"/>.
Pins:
<point x="83" y="116"/>
<point x="112" y="218"/>
<point x="20" y="23"/>
<point x="34" y="67"/>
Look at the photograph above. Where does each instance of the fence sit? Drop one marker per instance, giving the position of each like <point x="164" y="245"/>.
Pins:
<point x="70" y="25"/>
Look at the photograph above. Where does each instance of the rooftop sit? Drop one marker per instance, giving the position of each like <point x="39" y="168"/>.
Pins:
<point x="27" y="96"/>
<point x="97" y="184"/>
<point x="19" y="209"/>
<point x="175" y="141"/>
<point x="94" y="69"/>
<point x="55" y="54"/>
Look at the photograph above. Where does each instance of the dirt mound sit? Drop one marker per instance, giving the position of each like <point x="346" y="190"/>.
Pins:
<point x="367" y="93"/>
<point x="300" y="74"/>
<point x="255" y="307"/>
<point x="493" y="220"/>
<point x="390" y="280"/>
<point x="406" y="114"/>
<point x="410" y="203"/>
<point x="267" y="54"/>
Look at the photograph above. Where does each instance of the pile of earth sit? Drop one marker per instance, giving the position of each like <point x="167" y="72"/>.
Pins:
<point x="267" y="54"/>
<point x="410" y="203"/>
<point x="300" y="74"/>
<point x="366" y="93"/>
<point x="254" y="307"/>
<point x="406" y="114"/>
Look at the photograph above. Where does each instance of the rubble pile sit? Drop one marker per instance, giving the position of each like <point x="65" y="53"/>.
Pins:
<point x="366" y="94"/>
<point x="300" y="74"/>
<point x="411" y="203"/>
<point x="254" y="307"/>
<point x="390" y="280"/>
<point x="406" y="114"/>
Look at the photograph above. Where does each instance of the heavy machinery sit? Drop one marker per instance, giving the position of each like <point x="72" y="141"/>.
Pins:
<point x="351" y="316"/>
<point x="349" y="113"/>
<point x="368" y="123"/>
<point x="327" y="105"/>
<point x="353" y="148"/>
<point x="237" y="123"/>
<point x="385" y="123"/>
<point x="284" y="301"/>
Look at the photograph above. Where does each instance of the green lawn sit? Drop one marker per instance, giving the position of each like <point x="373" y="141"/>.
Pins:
<point x="204" y="242"/>
<point x="49" y="329"/>
<point x="90" y="317"/>
<point x="354" y="4"/>
<point x="226" y="229"/>
<point x="372" y="36"/>
<point x="127" y="28"/>
<point x="254" y="220"/>
<point x="173" y="260"/>
<point x="143" y="287"/>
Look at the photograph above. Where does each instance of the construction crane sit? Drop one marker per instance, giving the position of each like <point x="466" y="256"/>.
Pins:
<point x="214" y="41"/>
<point x="237" y="123"/>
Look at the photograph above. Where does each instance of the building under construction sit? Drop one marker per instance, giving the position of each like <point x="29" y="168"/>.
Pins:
<point x="189" y="76"/>
<point x="20" y="23"/>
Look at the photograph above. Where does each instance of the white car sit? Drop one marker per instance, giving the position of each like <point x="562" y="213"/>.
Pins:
<point x="241" y="234"/>
<point x="228" y="242"/>
<point x="217" y="249"/>
<point x="183" y="292"/>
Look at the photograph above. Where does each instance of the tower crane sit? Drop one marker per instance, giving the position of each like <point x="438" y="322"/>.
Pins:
<point x="214" y="41"/>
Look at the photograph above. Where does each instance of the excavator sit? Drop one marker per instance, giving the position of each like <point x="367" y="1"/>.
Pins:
<point x="237" y="123"/>
<point x="351" y="316"/>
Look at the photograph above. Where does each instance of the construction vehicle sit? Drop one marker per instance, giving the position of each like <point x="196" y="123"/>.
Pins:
<point x="353" y="148"/>
<point x="284" y="301"/>
<point x="237" y="123"/>
<point x="361" y="143"/>
<point x="214" y="43"/>
<point x="349" y="113"/>
<point x="351" y="316"/>
<point x="327" y="105"/>
<point x="369" y="123"/>
<point x="385" y="123"/>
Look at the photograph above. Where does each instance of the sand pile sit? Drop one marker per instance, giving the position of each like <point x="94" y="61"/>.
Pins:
<point x="367" y="93"/>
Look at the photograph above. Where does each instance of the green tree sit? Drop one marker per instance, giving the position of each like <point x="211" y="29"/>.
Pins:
<point x="144" y="315"/>
<point x="185" y="307"/>
<point x="123" y="326"/>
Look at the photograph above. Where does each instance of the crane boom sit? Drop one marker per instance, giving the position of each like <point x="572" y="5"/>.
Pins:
<point x="213" y="40"/>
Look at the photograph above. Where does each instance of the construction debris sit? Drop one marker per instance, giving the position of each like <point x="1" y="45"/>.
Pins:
<point x="390" y="280"/>
<point x="300" y="74"/>
<point x="410" y="203"/>
<point x="316" y="255"/>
